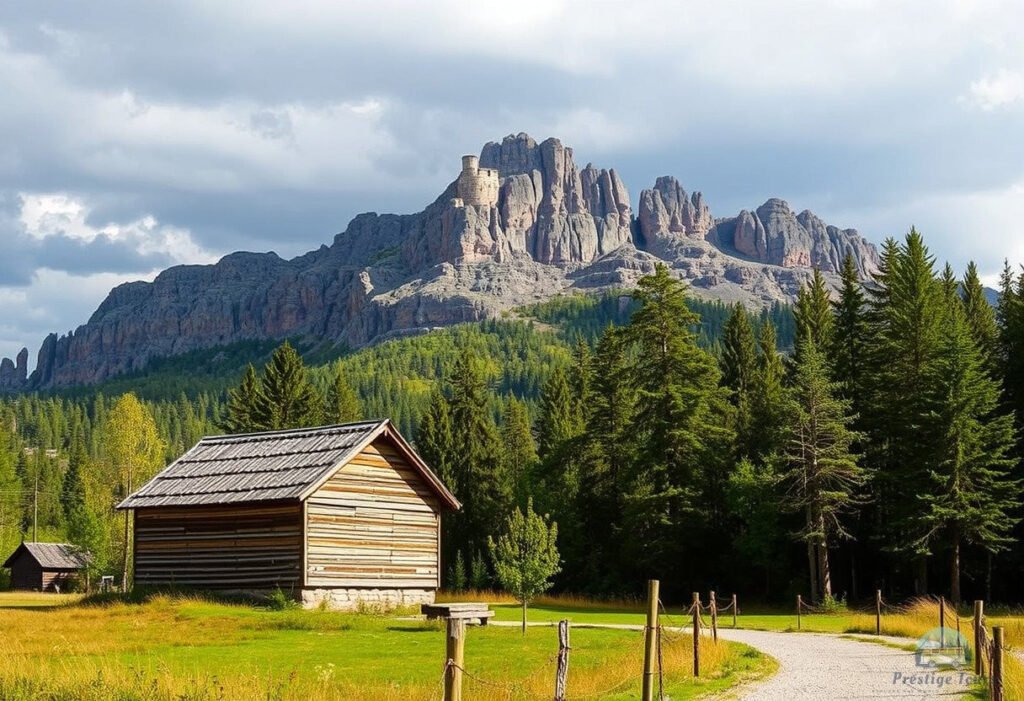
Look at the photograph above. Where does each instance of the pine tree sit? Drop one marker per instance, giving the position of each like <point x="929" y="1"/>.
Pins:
<point x="767" y="403"/>
<point x="981" y="317"/>
<point x="243" y="405"/>
<point x="342" y="404"/>
<point x="485" y="487"/>
<point x="813" y="314"/>
<point x="850" y="337"/>
<point x="680" y="420"/>
<point x="286" y="398"/>
<point x="973" y="496"/>
<point x="739" y="369"/>
<point x="519" y="448"/>
<point x="824" y="477"/>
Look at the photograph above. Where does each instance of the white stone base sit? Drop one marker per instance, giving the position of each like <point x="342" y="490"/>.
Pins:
<point x="351" y="599"/>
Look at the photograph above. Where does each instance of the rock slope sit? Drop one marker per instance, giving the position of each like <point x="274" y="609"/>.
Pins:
<point x="554" y="228"/>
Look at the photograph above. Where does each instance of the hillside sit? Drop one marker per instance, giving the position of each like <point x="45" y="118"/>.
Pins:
<point x="519" y="225"/>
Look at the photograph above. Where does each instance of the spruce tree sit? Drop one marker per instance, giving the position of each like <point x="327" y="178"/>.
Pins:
<point x="813" y="313"/>
<point x="767" y="403"/>
<point x="739" y="369"/>
<point x="243" y="403"/>
<point x="824" y="478"/>
<point x="972" y="496"/>
<point x="981" y="317"/>
<point x="850" y="337"/>
<point x="484" y="485"/>
<point x="681" y="415"/>
<point x="519" y="448"/>
<point x="286" y="398"/>
<point x="341" y="404"/>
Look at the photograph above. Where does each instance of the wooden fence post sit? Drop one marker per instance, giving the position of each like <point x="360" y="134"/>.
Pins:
<point x="696" y="634"/>
<point x="713" y="603"/>
<point x="562" y="671"/>
<point x="997" y="664"/>
<point x="799" y="605"/>
<point x="650" y="636"/>
<point x="979" y="614"/>
<point x="878" y="612"/>
<point x="456" y="649"/>
<point x="942" y="622"/>
<point x="735" y="611"/>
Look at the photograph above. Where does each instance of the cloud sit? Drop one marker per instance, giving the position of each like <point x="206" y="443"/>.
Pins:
<point x="184" y="129"/>
<point x="1000" y="89"/>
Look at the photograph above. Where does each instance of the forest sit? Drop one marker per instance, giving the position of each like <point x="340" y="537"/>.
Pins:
<point x="864" y="438"/>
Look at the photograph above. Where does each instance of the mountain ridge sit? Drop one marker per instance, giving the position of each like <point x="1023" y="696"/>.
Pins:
<point x="519" y="224"/>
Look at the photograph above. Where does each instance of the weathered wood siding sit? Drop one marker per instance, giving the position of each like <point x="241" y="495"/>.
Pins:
<point x="243" y="546"/>
<point x="26" y="574"/>
<point x="374" y="524"/>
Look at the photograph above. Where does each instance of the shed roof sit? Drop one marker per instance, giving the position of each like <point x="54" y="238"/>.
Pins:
<point x="57" y="556"/>
<point x="270" y="466"/>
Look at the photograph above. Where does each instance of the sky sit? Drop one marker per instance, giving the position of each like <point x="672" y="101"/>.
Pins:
<point x="135" y="136"/>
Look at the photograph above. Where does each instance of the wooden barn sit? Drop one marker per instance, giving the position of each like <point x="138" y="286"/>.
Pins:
<point x="45" y="566"/>
<point x="342" y="514"/>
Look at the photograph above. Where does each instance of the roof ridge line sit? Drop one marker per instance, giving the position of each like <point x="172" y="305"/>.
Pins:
<point x="227" y="437"/>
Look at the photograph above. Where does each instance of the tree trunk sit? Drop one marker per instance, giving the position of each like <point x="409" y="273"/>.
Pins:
<point x="524" y="616"/>
<point x="988" y="578"/>
<point x="812" y="562"/>
<point x="812" y="558"/>
<point x="954" y="568"/>
<point x="921" y="579"/>
<point x="853" y="574"/>
<point x="825" y="575"/>
<point x="127" y="540"/>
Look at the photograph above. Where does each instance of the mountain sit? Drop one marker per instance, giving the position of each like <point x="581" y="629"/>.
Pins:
<point x="519" y="224"/>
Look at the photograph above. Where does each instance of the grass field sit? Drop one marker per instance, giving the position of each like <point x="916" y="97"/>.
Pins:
<point x="196" y="650"/>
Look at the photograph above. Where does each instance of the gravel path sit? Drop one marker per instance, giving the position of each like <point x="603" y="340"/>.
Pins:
<point x="820" y="667"/>
<point x="829" y="667"/>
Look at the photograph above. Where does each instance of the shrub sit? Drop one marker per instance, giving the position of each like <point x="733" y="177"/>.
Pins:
<point x="279" y="601"/>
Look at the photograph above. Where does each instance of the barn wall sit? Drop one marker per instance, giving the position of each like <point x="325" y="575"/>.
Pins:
<point x="373" y="527"/>
<point x="26" y="574"/>
<point x="243" y="547"/>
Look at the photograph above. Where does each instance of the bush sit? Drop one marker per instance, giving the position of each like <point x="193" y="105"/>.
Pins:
<point x="279" y="601"/>
<point x="831" y="604"/>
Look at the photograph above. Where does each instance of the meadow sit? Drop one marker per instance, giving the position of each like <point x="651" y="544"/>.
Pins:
<point x="191" y="649"/>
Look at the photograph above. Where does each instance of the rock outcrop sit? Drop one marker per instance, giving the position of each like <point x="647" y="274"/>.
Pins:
<point x="775" y="234"/>
<point x="470" y="254"/>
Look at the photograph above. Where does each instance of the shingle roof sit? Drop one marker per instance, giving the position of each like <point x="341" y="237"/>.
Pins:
<point x="271" y="466"/>
<point x="57" y="556"/>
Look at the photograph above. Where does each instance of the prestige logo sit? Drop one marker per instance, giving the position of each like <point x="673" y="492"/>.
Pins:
<point x="944" y="659"/>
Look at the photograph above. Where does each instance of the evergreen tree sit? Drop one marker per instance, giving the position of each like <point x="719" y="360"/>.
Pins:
<point x="973" y="496"/>
<point x="484" y="486"/>
<point x="519" y="448"/>
<point x="243" y="405"/>
<point x="768" y="425"/>
<point x="342" y="404"/>
<point x="813" y="314"/>
<point x="739" y="370"/>
<point x="850" y="337"/>
<point x="981" y="317"/>
<point x="824" y="476"/>
<point x="286" y="398"/>
<point x="681" y="414"/>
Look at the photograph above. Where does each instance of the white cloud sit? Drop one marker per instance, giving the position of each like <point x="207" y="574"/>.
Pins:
<point x="999" y="89"/>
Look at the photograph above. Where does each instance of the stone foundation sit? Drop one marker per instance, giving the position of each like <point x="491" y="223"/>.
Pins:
<point x="349" y="599"/>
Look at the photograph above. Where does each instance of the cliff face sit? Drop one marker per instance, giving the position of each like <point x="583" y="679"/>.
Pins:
<point x="552" y="228"/>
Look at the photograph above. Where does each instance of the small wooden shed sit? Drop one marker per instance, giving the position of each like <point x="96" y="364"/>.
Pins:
<point x="45" y="566"/>
<point x="338" y="514"/>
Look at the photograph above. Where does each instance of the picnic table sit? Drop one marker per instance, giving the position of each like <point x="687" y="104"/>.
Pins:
<point x="469" y="611"/>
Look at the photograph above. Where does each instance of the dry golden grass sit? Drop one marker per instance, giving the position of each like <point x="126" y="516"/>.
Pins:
<point x="567" y="601"/>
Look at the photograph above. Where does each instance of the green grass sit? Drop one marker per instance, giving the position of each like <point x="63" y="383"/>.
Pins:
<point x="174" y="648"/>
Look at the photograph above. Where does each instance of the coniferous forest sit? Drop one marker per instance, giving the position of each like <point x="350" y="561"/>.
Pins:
<point x="866" y="437"/>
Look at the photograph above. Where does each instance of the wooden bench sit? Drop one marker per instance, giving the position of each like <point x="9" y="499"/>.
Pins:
<point x="467" y="611"/>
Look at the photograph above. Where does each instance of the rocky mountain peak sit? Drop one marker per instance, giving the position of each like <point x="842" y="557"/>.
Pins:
<point x="517" y="224"/>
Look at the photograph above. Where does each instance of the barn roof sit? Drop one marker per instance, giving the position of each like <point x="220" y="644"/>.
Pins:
<point x="56" y="556"/>
<point x="270" y="466"/>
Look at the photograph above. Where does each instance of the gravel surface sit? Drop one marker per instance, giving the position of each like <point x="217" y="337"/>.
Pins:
<point x="827" y="667"/>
